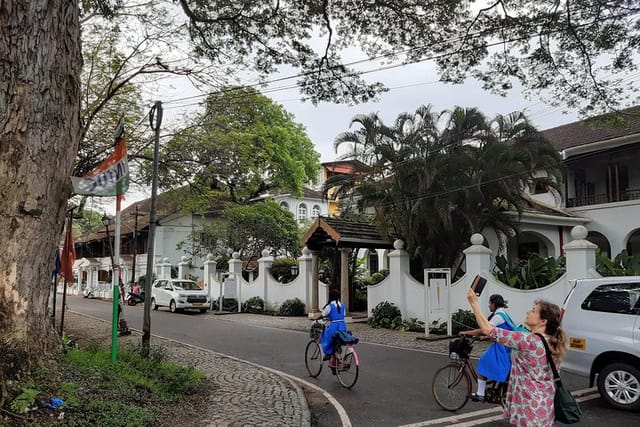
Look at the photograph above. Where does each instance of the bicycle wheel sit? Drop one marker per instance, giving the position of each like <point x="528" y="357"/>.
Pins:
<point x="313" y="358"/>
<point x="347" y="369"/>
<point x="451" y="386"/>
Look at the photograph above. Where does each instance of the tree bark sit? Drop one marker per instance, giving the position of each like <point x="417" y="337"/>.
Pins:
<point x="40" y="63"/>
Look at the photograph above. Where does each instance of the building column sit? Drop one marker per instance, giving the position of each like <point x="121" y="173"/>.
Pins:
<point x="315" y="279"/>
<point x="344" y="278"/>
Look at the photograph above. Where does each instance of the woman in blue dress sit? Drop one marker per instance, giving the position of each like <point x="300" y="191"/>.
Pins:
<point x="334" y="311"/>
<point x="495" y="363"/>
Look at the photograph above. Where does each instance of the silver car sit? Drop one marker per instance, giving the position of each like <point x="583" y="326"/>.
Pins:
<point x="178" y="294"/>
<point x="601" y="318"/>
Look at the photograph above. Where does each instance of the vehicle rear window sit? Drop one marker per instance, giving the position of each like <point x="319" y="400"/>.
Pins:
<point x="620" y="298"/>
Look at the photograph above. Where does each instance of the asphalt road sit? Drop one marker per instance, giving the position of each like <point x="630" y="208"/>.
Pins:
<point x="393" y="388"/>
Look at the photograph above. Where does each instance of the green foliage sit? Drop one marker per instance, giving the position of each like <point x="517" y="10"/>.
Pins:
<point x="281" y="269"/>
<point x="253" y="305"/>
<point x="463" y="320"/>
<point x="24" y="400"/>
<point x="622" y="265"/>
<point x="472" y="172"/>
<point x="242" y="144"/>
<point x="248" y="229"/>
<point x="132" y="373"/>
<point x="533" y="273"/>
<point x="386" y="315"/>
<point x="291" y="307"/>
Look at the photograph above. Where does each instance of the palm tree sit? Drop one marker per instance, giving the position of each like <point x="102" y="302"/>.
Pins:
<point x="435" y="179"/>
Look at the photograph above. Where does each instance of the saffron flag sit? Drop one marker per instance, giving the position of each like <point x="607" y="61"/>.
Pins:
<point x="110" y="178"/>
<point x="68" y="257"/>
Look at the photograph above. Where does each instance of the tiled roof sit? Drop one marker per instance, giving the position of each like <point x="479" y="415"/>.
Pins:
<point x="332" y="231"/>
<point x="597" y="129"/>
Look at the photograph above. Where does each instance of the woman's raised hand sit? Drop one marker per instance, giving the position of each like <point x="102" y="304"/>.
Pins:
<point x="471" y="296"/>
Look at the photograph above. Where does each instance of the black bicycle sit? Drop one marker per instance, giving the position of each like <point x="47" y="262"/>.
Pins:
<point x="452" y="383"/>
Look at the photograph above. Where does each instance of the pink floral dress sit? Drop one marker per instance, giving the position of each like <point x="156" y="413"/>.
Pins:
<point x="531" y="388"/>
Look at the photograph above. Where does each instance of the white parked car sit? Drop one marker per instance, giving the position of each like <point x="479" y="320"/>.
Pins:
<point x="602" y="322"/>
<point x="178" y="294"/>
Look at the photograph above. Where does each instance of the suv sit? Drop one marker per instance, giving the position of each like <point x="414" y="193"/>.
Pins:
<point x="601" y="318"/>
<point x="178" y="294"/>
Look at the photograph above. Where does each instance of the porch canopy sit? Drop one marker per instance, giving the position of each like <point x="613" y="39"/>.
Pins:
<point x="347" y="235"/>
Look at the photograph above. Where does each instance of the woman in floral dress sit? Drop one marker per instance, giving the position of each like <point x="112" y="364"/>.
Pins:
<point x="529" y="401"/>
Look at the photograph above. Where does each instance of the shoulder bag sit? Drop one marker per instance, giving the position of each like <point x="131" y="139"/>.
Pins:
<point x="565" y="407"/>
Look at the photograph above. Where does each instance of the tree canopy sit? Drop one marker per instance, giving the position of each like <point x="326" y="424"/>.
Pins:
<point x="575" y="53"/>
<point x="433" y="179"/>
<point x="243" y="144"/>
<point x="248" y="230"/>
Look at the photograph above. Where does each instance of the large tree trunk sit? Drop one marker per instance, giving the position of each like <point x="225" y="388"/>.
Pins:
<point x="40" y="64"/>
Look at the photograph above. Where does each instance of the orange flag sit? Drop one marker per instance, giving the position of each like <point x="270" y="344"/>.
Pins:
<point x="68" y="256"/>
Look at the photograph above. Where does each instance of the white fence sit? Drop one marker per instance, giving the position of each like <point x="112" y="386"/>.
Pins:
<point x="399" y="287"/>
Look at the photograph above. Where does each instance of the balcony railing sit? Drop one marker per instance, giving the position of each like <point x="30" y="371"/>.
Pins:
<point x="597" y="199"/>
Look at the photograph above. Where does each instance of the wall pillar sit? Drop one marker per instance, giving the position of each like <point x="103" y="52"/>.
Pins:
<point x="304" y="275"/>
<point x="344" y="278"/>
<point x="209" y="275"/>
<point x="315" y="283"/>
<point x="163" y="269"/>
<point x="183" y="268"/>
<point x="264" y="264"/>
<point x="581" y="256"/>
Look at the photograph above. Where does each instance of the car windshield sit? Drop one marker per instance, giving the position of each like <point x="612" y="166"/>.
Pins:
<point x="186" y="285"/>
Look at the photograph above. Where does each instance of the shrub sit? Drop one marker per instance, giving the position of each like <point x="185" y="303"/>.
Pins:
<point x="622" y="265"/>
<point x="253" y="305"/>
<point x="535" y="272"/>
<point x="228" y="304"/>
<point x="291" y="307"/>
<point x="386" y="315"/>
<point x="281" y="269"/>
<point x="463" y="320"/>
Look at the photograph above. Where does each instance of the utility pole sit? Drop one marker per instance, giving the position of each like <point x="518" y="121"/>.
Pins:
<point x="136" y="214"/>
<point x="155" y="120"/>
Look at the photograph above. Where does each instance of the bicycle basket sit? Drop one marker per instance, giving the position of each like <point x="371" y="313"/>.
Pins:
<point x="316" y="330"/>
<point x="461" y="347"/>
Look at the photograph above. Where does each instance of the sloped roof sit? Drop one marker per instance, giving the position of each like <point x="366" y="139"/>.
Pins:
<point x="336" y="232"/>
<point x="168" y="203"/>
<point x="600" y="128"/>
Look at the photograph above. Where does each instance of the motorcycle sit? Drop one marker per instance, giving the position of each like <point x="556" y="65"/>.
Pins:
<point x="134" y="299"/>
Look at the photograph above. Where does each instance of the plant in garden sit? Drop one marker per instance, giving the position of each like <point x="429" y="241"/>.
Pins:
<point x="622" y="265"/>
<point x="532" y="273"/>
<point x="253" y="305"/>
<point x="463" y="320"/>
<point x="281" y="269"/>
<point x="228" y="304"/>
<point x="291" y="307"/>
<point x="386" y="315"/>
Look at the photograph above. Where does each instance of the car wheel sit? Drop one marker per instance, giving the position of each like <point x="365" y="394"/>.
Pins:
<point x="153" y="304"/>
<point x="172" y="306"/>
<point x="619" y="385"/>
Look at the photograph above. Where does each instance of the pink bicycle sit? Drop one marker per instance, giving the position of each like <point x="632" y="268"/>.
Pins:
<point x="344" y="362"/>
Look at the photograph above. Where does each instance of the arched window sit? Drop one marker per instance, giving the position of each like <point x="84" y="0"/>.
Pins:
<point x="302" y="212"/>
<point x="284" y="205"/>
<point x="315" y="211"/>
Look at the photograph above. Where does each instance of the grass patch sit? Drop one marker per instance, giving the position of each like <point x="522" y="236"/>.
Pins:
<point x="131" y="392"/>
